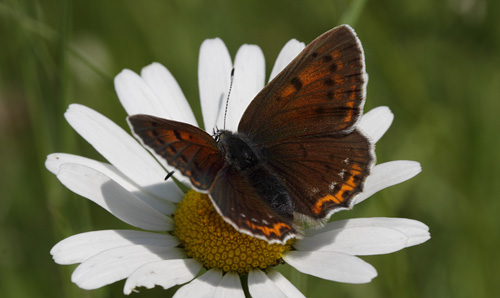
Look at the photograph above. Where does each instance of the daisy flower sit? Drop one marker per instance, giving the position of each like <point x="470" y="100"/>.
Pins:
<point x="182" y="241"/>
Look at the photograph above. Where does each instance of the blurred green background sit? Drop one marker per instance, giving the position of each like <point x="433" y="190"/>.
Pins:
<point x="434" y="63"/>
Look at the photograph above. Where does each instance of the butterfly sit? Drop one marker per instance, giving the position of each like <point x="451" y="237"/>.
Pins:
<point x="296" y="157"/>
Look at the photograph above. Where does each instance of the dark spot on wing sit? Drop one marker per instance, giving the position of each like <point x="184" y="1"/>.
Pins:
<point x="320" y="110"/>
<point x="177" y="135"/>
<point x="333" y="67"/>
<point x="327" y="58"/>
<point x="297" y="83"/>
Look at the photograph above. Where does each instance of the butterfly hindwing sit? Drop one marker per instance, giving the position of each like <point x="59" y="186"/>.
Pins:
<point x="322" y="174"/>
<point x="185" y="147"/>
<point x="244" y="209"/>
<point x="321" y="91"/>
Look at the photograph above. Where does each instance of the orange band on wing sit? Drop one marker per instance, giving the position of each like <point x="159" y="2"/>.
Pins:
<point x="338" y="197"/>
<point x="350" y="113"/>
<point x="276" y="229"/>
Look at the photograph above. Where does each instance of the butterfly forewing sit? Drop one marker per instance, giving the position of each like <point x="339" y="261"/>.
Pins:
<point x="321" y="91"/>
<point x="185" y="147"/>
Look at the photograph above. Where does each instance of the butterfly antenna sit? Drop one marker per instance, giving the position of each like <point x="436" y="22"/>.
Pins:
<point x="228" y="94"/>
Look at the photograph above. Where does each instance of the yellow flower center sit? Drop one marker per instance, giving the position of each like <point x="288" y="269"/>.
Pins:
<point x="208" y="238"/>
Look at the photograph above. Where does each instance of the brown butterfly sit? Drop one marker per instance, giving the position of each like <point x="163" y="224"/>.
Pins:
<point x="297" y="155"/>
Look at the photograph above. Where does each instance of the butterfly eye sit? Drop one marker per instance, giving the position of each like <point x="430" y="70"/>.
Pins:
<point x="217" y="135"/>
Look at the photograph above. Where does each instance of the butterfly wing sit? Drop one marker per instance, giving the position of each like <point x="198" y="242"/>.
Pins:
<point x="243" y="208"/>
<point x="304" y="120"/>
<point x="186" y="147"/>
<point x="322" y="90"/>
<point x="322" y="174"/>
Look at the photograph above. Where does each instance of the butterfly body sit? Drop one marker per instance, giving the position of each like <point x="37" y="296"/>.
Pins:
<point x="297" y="154"/>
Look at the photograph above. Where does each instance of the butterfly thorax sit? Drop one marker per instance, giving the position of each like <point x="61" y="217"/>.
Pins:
<point x="241" y="154"/>
<point x="237" y="150"/>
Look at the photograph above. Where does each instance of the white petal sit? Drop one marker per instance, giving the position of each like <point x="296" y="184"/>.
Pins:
<point x="166" y="273"/>
<point x="388" y="174"/>
<point x="230" y="286"/>
<point x="375" y="123"/>
<point x="249" y="78"/>
<point x="284" y="284"/>
<point x="366" y="240"/>
<point x="164" y="85"/>
<point x="291" y="49"/>
<point x="121" y="150"/>
<point x="55" y="160"/>
<point x="137" y="97"/>
<point x="118" y="263"/>
<point x="80" y="247"/>
<point x="331" y="266"/>
<point x="108" y="194"/>
<point x="203" y="286"/>
<point x="260" y="285"/>
<point x="415" y="231"/>
<point x="214" y="75"/>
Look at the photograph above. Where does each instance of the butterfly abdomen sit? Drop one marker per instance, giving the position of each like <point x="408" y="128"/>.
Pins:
<point x="271" y="190"/>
